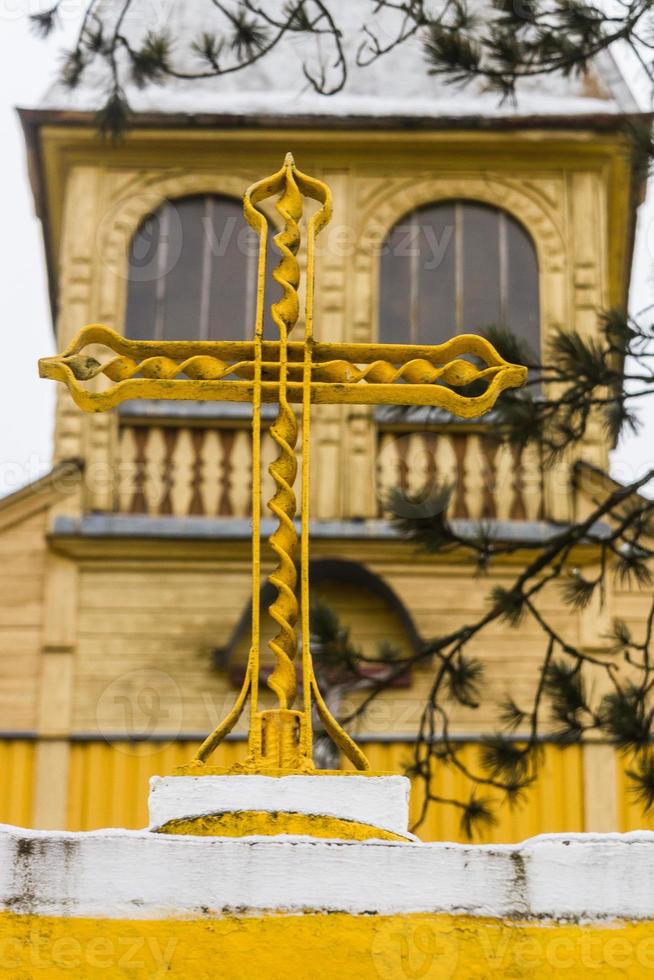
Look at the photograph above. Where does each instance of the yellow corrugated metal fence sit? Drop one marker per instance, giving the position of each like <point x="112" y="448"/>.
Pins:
<point x="16" y="781"/>
<point x="108" y="787"/>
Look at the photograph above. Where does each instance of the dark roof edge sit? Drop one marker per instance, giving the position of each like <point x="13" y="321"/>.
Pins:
<point x="30" y="122"/>
<point x="614" y="79"/>
<point x="204" y="120"/>
<point x="143" y="526"/>
<point x="590" y="477"/>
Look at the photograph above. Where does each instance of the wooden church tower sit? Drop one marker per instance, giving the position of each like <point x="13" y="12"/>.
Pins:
<point x="126" y="570"/>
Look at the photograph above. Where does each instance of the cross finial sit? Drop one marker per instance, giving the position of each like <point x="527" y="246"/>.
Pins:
<point x="284" y="371"/>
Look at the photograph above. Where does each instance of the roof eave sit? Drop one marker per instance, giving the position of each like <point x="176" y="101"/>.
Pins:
<point x="34" y="118"/>
<point x="31" y="121"/>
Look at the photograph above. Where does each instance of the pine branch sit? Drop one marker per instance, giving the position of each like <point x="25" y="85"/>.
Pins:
<point x="151" y="62"/>
<point x="642" y="777"/>
<point x="464" y="677"/>
<point x="476" y="816"/>
<point x="626" y="718"/>
<point x="44" y="22"/>
<point x="577" y="591"/>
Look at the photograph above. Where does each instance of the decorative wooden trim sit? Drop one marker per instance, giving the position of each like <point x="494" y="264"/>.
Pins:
<point x="55" y="695"/>
<point x="60" y="605"/>
<point x="51" y="766"/>
<point x="180" y="541"/>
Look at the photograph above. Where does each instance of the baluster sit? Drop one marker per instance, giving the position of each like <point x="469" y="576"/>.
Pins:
<point x="154" y="470"/>
<point x="182" y="469"/>
<point x="474" y="464"/>
<point x="504" y="491"/>
<point x="389" y="466"/>
<point x="532" y="482"/>
<point x="458" y="507"/>
<point x="196" y="506"/>
<point x="211" y="472"/>
<point x="488" y="447"/>
<point x="128" y="469"/>
<point x="446" y="464"/>
<point x="240" y="473"/>
<point x="226" y="437"/>
<point x="420" y="466"/>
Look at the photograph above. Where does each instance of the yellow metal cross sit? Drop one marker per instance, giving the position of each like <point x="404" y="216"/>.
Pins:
<point x="283" y="371"/>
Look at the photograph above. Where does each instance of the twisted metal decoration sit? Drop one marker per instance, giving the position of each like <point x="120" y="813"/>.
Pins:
<point x="282" y="371"/>
<point x="284" y="431"/>
<point x="418" y="371"/>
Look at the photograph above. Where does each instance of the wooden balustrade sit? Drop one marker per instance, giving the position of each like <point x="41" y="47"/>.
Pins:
<point x="488" y="479"/>
<point x="188" y="470"/>
<point x="206" y="470"/>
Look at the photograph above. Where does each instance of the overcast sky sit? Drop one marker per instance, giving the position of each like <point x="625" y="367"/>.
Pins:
<point x="26" y="403"/>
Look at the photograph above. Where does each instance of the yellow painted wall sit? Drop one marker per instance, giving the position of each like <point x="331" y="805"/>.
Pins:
<point x="22" y="579"/>
<point x="108" y="786"/>
<point x="556" y="803"/>
<point x="321" y="947"/>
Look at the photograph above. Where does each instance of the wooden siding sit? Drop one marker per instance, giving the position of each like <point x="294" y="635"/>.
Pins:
<point x="145" y="638"/>
<point x="22" y="576"/>
<point x="630" y="811"/>
<point x="146" y="633"/>
<point x="108" y="782"/>
<point x="554" y="804"/>
<point x="631" y="605"/>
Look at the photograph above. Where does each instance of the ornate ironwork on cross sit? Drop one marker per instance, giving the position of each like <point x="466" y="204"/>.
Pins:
<point x="283" y="371"/>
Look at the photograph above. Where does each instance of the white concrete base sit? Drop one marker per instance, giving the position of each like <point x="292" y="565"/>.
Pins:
<point x="136" y="874"/>
<point x="381" y="801"/>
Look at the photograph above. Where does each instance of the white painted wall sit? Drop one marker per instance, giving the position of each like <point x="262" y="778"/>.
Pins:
<point x="137" y="874"/>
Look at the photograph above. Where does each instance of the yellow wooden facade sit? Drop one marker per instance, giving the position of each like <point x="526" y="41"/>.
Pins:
<point x="107" y="626"/>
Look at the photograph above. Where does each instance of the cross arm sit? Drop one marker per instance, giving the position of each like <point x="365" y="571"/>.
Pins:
<point x="394" y="374"/>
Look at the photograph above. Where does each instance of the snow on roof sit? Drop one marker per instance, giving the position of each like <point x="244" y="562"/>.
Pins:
<point x="396" y="85"/>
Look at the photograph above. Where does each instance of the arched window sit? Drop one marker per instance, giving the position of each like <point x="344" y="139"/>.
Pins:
<point x="458" y="267"/>
<point x="192" y="272"/>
